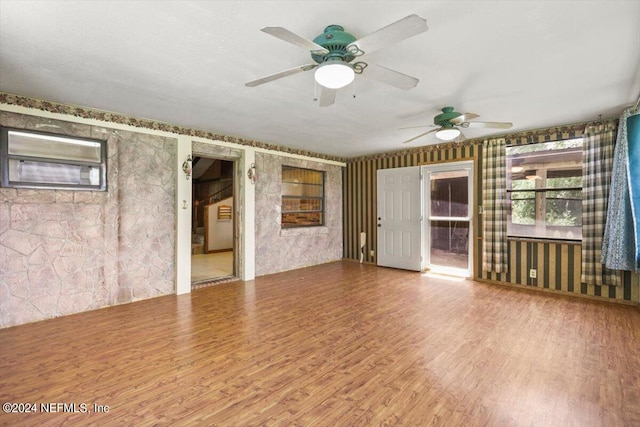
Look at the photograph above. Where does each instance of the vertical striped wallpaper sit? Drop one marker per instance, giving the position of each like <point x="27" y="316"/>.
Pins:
<point x="359" y="190"/>
<point x="558" y="268"/>
<point x="558" y="264"/>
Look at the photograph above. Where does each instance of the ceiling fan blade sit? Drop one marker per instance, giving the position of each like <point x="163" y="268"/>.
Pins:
<point x="403" y="29"/>
<point x="281" y="74"/>
<point x="420" y="136"/>
<point x="416" y="127"/>
<point x="327" y="96"/>
<point x="496" y="125"/>
<point x="289" y="37"/>
<point x="463" y="118"/>
<point x="390" y="77"/>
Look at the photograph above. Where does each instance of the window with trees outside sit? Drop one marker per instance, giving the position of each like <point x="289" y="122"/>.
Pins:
<point x="302" y="197"/>
<point x="544" y="189"/>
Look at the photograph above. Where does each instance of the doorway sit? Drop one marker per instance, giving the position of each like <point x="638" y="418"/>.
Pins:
<point x="448" y="195"/>
<point x="213" y="233"/>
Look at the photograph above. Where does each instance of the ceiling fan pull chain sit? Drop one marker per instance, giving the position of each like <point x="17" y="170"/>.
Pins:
<point x="315" y="91"/>
<point x="354" y="88"/>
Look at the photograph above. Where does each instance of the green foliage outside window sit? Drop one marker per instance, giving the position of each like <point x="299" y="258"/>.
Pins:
<point x="545" y="188"/>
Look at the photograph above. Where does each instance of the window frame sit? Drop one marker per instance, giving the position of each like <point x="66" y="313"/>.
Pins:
<point x="6" y="158"/>
<point x="284" y="196"/>
<point x="540" y="229"/>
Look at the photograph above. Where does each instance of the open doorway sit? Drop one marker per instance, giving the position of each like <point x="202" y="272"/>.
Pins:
<point x="213" y="220"/>
<point x="448" y="196"/>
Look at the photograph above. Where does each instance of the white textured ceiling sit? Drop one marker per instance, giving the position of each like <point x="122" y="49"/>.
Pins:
<point x="534" y="63"/>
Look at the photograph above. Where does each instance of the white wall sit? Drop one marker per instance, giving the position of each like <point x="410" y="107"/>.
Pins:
<point x="220" y="231"/>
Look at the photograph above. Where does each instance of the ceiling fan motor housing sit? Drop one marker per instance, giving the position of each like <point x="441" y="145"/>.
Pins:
<point x="444" y="118"/>
<point x="335" y="40"/>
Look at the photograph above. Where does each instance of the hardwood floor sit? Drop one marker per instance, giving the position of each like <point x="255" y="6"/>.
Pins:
<point x="341" y="344"/>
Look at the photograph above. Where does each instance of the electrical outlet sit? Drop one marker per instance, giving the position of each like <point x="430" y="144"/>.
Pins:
<point x="371" y="252"/>
<point x="533" y="273"/>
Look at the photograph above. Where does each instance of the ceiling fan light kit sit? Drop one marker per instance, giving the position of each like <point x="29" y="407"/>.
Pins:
<point x="334" y="74"/>
<point x="448" y="134"/>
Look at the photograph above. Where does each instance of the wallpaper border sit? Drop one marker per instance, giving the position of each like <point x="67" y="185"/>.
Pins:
<point x="518" y="138"/>
<point x="110" y="117"/>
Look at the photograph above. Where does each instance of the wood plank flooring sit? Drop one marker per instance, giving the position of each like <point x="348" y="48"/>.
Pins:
<point x="341" y="344"/>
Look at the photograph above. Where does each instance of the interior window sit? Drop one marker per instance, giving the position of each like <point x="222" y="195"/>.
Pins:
<point x="544" y="188"/>
<point x="302" y="197"/>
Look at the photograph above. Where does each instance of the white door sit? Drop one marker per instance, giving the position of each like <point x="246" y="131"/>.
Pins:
<point x="448" y="196"/>
<point x="399" y="218"/>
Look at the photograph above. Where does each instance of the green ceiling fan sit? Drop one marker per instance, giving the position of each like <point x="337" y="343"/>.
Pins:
<point x="447" y="125"/>
<point x="334" y="52"/>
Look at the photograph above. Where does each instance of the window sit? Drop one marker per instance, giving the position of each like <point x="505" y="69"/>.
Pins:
<point x="40" y="160"/>
<point x="544" y="187"/>
<point x="302" y="197"/>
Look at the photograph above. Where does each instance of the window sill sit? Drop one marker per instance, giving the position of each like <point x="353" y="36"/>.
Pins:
<point x="304" y="231"/>
<point x="545" y="240"/>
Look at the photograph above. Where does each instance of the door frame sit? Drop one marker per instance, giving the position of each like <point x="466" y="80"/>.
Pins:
<point x="426" y="171"/>
<point x="244" y="158"/>
<point x="234" y="215"/>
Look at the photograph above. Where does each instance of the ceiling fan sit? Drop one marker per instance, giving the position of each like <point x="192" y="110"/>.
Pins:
<point x="447" y="125"/>
<point x="334" y="52"/>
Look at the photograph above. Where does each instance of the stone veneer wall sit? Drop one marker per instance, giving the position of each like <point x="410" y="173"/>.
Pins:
<point x="64" y="252"/>
<point x="280" y="249"/>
